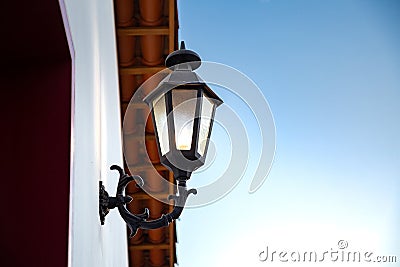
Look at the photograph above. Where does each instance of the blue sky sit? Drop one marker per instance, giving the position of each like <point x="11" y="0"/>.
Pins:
<point x="330" y="73"/>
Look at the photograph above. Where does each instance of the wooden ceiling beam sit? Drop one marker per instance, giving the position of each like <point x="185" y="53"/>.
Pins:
<point x="140" y="70"/>
<point x="140" y="31"/>
<point x="149" y="246"/>
<point x="147" y="167"/>
<point x="143" y="195"/>
<point x="171" y="22"/>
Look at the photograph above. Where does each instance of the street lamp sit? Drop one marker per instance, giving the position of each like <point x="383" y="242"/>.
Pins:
<point x="182" y="108"/>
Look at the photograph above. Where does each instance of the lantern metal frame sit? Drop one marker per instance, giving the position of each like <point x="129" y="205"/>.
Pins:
<point x="182" y="62"/>
<point x="181" y="162"/>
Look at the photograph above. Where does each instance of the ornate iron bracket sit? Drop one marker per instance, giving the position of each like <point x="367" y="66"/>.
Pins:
<point x="136" y="221"/>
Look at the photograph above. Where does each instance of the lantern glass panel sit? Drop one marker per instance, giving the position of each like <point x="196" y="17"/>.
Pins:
<point x="184" y="110"/>
<point x="205" y="124"/>
<point x="160" y="116"/>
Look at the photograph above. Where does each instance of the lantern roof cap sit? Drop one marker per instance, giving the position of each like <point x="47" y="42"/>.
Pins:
<point x="181" y="80"/>
<point x="183" y="56"/>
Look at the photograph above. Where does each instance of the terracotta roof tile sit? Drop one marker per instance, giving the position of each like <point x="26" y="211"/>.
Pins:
<point x="146" y="34"/>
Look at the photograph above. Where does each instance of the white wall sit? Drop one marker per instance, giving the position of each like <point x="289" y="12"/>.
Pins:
<point x="96" y="133"/>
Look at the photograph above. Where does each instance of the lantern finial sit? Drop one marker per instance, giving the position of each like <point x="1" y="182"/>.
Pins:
<point x="182" y="45"/>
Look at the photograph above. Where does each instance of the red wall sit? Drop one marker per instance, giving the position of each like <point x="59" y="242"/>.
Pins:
<point x="35" y="107"/>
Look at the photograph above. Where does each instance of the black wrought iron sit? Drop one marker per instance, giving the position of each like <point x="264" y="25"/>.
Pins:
<point x="136" y="221"/>
<point x="182" y="77"/>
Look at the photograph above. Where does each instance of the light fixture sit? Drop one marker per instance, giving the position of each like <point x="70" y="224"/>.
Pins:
<point x="183" y="108"/>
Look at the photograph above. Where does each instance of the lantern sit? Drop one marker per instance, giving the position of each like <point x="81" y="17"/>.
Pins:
<point x="183" y="108"/>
